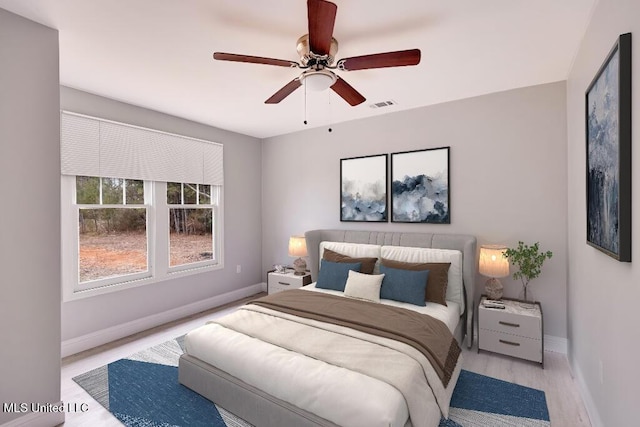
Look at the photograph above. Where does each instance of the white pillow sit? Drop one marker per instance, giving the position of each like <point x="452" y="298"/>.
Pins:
<point x="354" y="250"/>
<point x="363" y="286"/>
<point x="408" y="254"/>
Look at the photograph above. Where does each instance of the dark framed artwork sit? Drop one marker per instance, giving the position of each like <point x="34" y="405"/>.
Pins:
<point x="363" y="188"/>
<point x="420" y="186"/>
<point x="608" y="138"/>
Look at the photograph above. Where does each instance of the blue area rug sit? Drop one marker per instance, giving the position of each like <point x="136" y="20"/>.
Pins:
<point x="479" y="400"/>
<point x="142" y="390"/>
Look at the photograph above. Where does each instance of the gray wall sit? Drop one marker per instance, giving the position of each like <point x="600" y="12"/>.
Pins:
<point x="508" y="178"/>
<point x="30" y="214"/>
<point x="603" y="293"/>
<point x="242" y="226"/>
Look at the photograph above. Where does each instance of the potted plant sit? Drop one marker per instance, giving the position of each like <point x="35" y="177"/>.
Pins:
<point x="529" y="260"/>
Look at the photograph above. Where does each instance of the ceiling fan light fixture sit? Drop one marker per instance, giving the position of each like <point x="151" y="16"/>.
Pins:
<point x="317" y="51"/>
<point x="318" y="80"/>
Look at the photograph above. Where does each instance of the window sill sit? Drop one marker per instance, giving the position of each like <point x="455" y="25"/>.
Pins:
<point x="73" y="295"/>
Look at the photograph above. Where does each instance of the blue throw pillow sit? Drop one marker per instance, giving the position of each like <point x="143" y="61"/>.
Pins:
<point x="333" y="275"/>
<point x="404" y="285"/>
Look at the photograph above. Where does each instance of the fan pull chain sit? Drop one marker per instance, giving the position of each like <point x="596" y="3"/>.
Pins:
<point x="305" y="104"/>
<point x="330" y="130"/>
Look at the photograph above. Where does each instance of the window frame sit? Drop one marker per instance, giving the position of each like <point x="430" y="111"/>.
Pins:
<point x="214" y="214"/>
<point x="158" y="252"/>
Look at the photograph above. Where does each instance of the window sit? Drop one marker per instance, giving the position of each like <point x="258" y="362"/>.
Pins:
<point x="112" y="230"/>
<point x="191" y="218"/>
<point x="118" y="235"/>
<point x="130" y="219"/>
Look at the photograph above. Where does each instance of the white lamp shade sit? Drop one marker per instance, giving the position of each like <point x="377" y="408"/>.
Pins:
<point x="297" y="246"/>
<point x="319" y="80"/>
<point x="493" y="263"/>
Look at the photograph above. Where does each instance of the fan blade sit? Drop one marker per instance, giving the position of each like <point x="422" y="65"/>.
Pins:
<point x="347" y="92"/>
<point x="284" y="92"/>
<point x="221" y="56"/>
<point x="321" y="15"/>
<point x="381" y="60"/>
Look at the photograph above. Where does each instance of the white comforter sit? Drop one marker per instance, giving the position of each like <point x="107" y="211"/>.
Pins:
<point x="345" y="376"/>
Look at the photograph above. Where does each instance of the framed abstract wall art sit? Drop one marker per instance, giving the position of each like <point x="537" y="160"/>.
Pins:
<point x="420" y="186"/>
<point x="363" y="189"/>
<point x="608" y="146"/>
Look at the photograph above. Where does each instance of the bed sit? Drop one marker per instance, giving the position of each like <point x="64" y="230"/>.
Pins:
<point x="274" y="364"/>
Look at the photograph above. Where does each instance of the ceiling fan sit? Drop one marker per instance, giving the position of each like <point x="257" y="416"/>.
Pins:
<point x="317" y="51"/>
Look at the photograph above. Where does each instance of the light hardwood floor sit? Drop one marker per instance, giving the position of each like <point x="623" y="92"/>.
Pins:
<point x="563" y="398"/>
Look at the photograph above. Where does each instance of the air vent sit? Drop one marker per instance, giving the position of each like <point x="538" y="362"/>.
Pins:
<point x="383" y="104"/>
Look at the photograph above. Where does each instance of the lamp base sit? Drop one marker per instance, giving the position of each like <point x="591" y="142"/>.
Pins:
<point x="300" y="267"/>
<point x="493" y="288"/>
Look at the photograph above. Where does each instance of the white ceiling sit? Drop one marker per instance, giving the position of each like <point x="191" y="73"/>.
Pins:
<point x="158" y="53"/>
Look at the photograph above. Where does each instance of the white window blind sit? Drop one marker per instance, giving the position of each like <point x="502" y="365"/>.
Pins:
<point x="95" y="147"/>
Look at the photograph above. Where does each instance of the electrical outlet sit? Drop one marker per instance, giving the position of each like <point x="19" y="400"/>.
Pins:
<point x="601" y="368"/>
<point x="238" y="269"/>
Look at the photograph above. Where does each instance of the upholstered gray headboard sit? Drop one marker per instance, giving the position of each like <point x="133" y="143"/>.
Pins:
<point x="462" y="242"/>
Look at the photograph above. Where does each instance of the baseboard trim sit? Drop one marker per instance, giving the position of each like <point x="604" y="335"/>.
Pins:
<point x="104" y="336"/>
<point x="37" y="419"/>
<point x="587" y="399"/>
<point x="556" y="344"/>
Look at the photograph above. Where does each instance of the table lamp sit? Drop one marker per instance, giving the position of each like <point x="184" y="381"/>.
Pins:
<point x="493" y="264"/>
<point x="298" y="248"/>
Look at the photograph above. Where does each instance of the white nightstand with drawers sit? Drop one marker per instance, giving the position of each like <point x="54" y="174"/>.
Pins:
<point x="278" y="282"/>
<point x="514" y="331"/>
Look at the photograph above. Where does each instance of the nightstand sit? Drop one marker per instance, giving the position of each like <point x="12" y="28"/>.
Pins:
<point x="278" y="282"/>
<point x="514" y="331"/>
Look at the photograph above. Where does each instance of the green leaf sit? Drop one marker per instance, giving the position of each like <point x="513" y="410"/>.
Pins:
<point x="528" y="259"/>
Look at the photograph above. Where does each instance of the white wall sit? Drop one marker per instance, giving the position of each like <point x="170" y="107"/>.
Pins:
<point x="242" y="225"/>
<point x="508" y="178"/>
<point x="603" y="293"/>
<point x="30" y="217"/>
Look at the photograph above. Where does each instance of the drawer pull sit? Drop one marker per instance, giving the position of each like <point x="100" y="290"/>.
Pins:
<point x="284" y="283"/>
<point x="516" y="344"/>
<point x="514" y="325"/>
